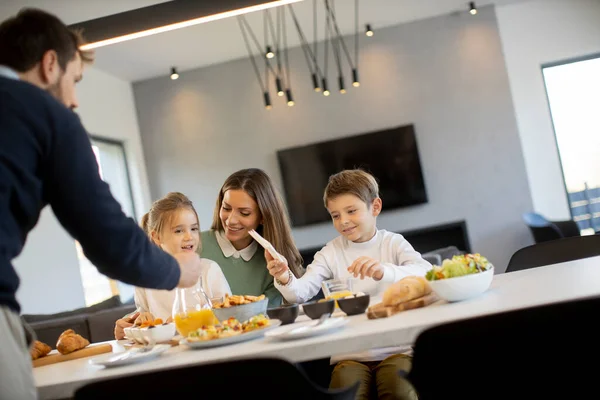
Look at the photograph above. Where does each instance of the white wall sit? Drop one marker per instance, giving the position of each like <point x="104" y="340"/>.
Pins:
<point x="48" y="266"/>
<point x="533" y="34"/>
<point x="446" y="75"/>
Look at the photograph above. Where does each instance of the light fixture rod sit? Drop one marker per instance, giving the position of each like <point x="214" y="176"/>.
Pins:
<point x="100" y="23"/>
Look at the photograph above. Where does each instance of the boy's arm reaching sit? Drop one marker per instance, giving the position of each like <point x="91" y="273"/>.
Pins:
<point x="408" y="261"/>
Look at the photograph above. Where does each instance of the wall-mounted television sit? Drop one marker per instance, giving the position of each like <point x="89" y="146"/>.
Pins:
<point x="391" y="155"/>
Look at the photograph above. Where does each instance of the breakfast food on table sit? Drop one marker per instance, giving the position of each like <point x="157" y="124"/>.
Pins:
<point x="256" y="322"/>
<point x="69" y="341"/>
<point x="39" y="349"/>
<point x="237" y="300"/>
<point x="460" y="265"/>
<point x="406" y="294"/>
<point x="151" y="323"/>
<point x="228" y="328"/>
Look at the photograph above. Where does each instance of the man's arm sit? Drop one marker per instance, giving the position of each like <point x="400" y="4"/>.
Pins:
<point x="86" y="208"/>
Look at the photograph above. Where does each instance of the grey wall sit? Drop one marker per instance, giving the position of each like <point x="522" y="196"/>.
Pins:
<point x="445" y="75"/>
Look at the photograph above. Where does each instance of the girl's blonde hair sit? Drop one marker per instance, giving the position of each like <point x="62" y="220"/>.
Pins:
<point x="162" y="212"/>
<point x="276" y="224"/>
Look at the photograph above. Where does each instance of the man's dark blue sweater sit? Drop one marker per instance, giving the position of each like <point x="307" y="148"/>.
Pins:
<point x="46" y="158"/>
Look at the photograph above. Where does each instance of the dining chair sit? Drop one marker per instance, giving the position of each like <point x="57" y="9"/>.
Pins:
<point x="544" y="230"/>
<point x="261" y="378"/>
<point x="555" y="251"/>
<point x="532" y="353"/>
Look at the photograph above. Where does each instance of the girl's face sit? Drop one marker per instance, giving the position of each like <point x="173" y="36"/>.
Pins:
<point x="239" y="213"/>
<point x="181" y="234"/>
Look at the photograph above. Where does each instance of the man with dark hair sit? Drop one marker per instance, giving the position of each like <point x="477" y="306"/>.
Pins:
<point x="46" y="158"/>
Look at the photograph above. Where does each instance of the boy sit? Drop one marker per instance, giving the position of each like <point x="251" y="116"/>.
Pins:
<point x="352" y="199"/>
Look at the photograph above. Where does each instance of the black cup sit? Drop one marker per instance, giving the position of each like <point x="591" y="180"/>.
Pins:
<point x="315" y="309"/>
<point x="286" y="313"/>
<point x="354" y="305"/>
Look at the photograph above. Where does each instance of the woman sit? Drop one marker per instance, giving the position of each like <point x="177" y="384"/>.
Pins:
<point x="248" y="200"/>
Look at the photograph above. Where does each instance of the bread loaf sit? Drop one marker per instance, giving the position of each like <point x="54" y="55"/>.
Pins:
<point x="406" y="289"/>
<point x="69" y="341"/>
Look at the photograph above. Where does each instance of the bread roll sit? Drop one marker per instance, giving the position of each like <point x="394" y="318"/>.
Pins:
<point x="406" y="289"/>
<point x="69" y="341"/>
<point x="39" y="349"/>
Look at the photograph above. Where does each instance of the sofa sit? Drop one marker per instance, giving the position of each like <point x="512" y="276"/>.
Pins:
<point x="96" y="323"/>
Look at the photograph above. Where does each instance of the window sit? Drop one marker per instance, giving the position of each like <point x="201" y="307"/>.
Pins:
<point x="112" y="165"/>
<point x="574" y="95"/>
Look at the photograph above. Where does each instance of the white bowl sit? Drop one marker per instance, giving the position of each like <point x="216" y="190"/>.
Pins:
<point x="158" y="333"/>
<point x="463" y="287"/>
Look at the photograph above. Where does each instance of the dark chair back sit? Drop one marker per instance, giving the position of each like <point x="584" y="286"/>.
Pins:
<point x="555" y="251"/>
<point x="544" y="230"/>
<point x="541" y="229"/>
<point x="262" y="378"/>
<point x="533" y="353"/>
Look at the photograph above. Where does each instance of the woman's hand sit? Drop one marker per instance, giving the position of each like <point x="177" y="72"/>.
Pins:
<point x="278" y="269"/>
<point x="123" y="323"/>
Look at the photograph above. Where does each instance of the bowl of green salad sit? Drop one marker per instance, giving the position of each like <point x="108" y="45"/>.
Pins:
<point x="462" y="277"/>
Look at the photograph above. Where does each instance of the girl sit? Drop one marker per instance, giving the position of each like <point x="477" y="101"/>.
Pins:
<point x="172" y="223"/>
<point x="248" y="200"/>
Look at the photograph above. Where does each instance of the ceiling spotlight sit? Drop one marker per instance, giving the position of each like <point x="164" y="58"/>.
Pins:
<point x="355" y="81"/>
<point x="324" y="87"/>
<point x="342" y="85"/>
<point x="288" y="95"/>
<point x="269" y="53"/>
<point x="174" y="74"/>
<point x="368" y="30"/>
<point x="279" y="87"/>
<point x="315" y="80"/>
<point x="472" y="8"/>
<point x="267" y="97"/>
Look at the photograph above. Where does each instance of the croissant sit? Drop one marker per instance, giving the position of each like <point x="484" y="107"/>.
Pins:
<point x="39" y="349"/>
<point x="406" y="289"/>
<point x="69" y="341"/>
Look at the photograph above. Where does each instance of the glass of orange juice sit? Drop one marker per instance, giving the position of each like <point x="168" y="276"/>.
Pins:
<point x="337" y="288"/>
<point x="192" y="310"/>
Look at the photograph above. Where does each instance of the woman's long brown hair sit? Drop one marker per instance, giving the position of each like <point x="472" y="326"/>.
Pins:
<point x="276" y="223"/>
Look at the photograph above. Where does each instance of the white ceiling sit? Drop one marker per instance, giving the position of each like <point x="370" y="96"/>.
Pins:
<point x="221" y="41"/>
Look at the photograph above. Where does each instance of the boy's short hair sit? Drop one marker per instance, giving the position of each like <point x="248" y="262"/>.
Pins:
<point x="352" y="181"/>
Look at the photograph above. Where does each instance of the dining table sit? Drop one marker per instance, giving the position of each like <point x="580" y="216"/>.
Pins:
<point x="508" y="291"/>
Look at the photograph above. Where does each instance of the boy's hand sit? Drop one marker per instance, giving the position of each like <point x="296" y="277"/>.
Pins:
<point x="279" y="270"/>
<point x="366" y="266"/>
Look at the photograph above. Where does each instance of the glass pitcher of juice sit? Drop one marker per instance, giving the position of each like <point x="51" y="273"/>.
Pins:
<point x="192" y="310"/>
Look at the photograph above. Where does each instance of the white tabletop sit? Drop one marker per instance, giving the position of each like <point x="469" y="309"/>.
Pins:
<point x="521" y="289"/>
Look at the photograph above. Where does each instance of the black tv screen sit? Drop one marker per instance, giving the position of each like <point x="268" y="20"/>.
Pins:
<point x="390" y="155"/>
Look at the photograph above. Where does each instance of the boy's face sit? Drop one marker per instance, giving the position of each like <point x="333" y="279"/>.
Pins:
<point x="353" y="218"/>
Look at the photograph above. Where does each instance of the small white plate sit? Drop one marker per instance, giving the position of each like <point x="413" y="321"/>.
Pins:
<point x="307" y="330"/>
<point x="242" y="337"/>
<point x="129" y="357"/>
